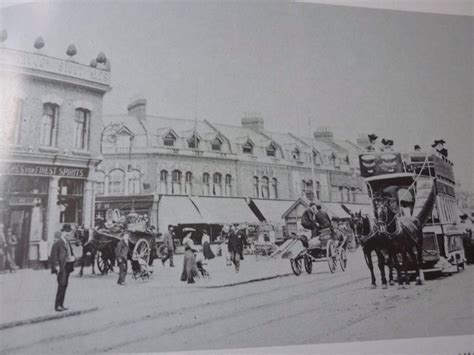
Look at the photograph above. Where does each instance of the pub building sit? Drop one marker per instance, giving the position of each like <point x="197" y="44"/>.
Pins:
<point x="51" y="111"/>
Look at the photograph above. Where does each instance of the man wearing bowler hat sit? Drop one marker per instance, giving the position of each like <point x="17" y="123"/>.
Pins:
<point x="62" y="256"/>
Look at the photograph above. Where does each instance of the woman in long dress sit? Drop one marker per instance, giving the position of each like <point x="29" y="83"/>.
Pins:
<point x="190" y="270"/>
<point x="206" y="246"/>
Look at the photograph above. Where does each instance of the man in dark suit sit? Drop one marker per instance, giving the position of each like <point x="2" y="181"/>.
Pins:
<point x="121" y="254"/>
<point x="62" y="256"/>
<point x="168" y="239"/>
<point x="308" y="220"/>
<point x="322" y="218"/>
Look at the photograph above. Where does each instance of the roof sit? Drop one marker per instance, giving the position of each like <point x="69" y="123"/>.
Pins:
<point x="241" y="135"/>
<point x="128" y="121"/>
<point x="273" y="210"/>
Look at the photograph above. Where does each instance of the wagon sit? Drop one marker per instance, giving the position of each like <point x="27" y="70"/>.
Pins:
<point x="323" y="250"/>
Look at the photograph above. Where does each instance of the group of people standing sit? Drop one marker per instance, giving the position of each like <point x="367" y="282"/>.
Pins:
<point x="8" y="245"/>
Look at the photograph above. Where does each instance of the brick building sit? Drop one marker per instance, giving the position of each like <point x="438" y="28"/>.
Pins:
<point x="151" y="161"/>
<point x="50" y="147"/>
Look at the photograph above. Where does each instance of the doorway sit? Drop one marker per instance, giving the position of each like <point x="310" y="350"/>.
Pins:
<point x="20" y="220"/>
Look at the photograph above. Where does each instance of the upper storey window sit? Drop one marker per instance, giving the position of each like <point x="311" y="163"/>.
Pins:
<point x="49" y="123"/>
<point x="193" y="142"/>
<point x="10" y="111"/>
<point x="169" y="140"/>
<point x="216" y="144"/>
<point x="247" y="148"/>
<point x="296" y="154"/>
<point x="271" y="151"/>
<point x="81" y="128"/>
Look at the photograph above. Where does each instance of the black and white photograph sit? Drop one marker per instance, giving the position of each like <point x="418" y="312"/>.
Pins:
<point x="237" y="177"/>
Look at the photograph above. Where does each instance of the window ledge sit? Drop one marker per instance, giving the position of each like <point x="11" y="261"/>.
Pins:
<point x="15" y="147"/>
<point x="46" y="149"/>
<point x="82" y="153"/>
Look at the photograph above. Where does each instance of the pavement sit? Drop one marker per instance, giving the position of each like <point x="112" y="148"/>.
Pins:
<point x="27" y="296"/>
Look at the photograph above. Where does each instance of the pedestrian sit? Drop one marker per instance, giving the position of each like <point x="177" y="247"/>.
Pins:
<point x="62" y="256"/>
<point x="187" y="239"/>
<point x="235" y="247"/>
<point x="190" y="270"/>
<point x="121" y="255"/>
<point x="12" y="242"/>
<point x="3" y="248"/>
<point x="206" y="246"/>
<point x="242" y="235"/>
<point x="169" y="242"/>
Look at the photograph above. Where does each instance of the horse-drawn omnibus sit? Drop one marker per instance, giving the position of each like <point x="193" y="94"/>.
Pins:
<point x="404" y="182"/>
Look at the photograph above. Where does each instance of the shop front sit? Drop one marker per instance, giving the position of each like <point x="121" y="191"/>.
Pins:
<point x="35" y="201"/>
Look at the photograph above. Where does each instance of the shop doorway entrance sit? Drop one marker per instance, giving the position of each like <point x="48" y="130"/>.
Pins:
<point x="20" y="221"/>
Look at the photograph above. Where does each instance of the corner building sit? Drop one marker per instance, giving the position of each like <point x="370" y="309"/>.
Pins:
<point x="51" y="123"/>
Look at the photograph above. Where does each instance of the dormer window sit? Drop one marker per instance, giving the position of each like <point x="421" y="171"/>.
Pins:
<point x="216" y="144"/>
<point x="247" y="148"/>
<point x="296" y="154"/>
<point x="193" y="142"/>
<point x="169" y="140"/>
<point x="271" y="151"/>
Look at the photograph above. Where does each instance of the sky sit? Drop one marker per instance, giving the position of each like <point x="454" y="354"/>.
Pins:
<point x="404" y="75"/>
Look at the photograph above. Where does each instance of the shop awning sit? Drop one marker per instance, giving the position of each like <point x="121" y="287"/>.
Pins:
<point x="335" y="210"/>
<point x="356" y="208"/>
<point x="272" y="210"/>
<point x="177" y="210"/>
<point x="224" y="210"/>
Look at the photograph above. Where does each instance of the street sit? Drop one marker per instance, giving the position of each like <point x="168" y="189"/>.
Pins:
<point x="318" y="308"/>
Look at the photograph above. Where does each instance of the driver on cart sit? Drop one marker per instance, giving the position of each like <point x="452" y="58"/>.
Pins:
<point x="315" y="220"/>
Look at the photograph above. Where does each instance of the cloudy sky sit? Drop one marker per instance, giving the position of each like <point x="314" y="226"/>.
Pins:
<point x="403" y="75"/>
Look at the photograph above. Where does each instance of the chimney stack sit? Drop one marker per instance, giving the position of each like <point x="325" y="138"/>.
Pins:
<point x="253" y="122"/>
<point x="323" y="134"/>
<point x="137" y="108"/>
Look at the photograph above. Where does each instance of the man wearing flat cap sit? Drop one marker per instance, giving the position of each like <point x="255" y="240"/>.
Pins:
<point x="62" y="256"/>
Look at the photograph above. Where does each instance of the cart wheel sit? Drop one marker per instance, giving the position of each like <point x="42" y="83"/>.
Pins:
<point x="343" y="259"/>
<point x="103" y="264"/>
<point x="161" y="251"/>
<point x="296" y="266"/>
<point x="308" y="264"/>
<point x="141" y="251"/>
<point x="331" y="255"/>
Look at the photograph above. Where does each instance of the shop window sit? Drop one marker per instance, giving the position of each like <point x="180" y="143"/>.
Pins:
<point x="265" y="187"/>
<point x="275" y="187"/>
<point x="100" y="182"/>
<point x="116" y="181"/>
<point x="205" y="184"/>
<point x="81" y="128"/>
<point x="25" y="184"/>
<point x="169" y="140"/>
<point x="134" y="182"/>
<point x="217" y="184"/>
<point x="216" y="144"/>
<point x="70" y="200"/>
<point x="49" y="123"/>
<point x="188" y="187"/>
<point x="164" y="181"/>
<point x="176" y="182"/>
<point x="255" y="186"/>
<point x="228" y="185"/>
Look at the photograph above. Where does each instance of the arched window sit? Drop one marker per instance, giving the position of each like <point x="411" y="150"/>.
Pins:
<point x="81" y="128"/>
<point x="318" y="190"/>
<point x="49" y="123"/>
<point x="341" y="190"/>
<point x="265" y="187"/>
<point x="348" y="194"/>
<point x="308" y="189"/>
<point x="134" y="182"/>
<point x="163" y="181"/>
<point x="205" y="184"/>
<point x="217" y="184"/>
<point x="176" y="182"/>
<point x="275" y="187"/>
<point x="169" y="140"/>
<point x="354" y="194"/>
<point x="228" y="185"/>
<point x="10" y="111"/>
<point x="116" y="181"/>
<point x="100" y="182"/>
<point x="255" y="186"/>
<point x="188" y="186"/>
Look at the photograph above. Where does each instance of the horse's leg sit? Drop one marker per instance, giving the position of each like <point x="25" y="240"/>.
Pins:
<point x="368" y="258"/>
<point x="381" y="263"/>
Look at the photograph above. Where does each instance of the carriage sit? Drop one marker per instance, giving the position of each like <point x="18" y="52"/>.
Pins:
<point x="143" y="243"/>
<point x="403" y="185"/>
<point x="323" y="248"/>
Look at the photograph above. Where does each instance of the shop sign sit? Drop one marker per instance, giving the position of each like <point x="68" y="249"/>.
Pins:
<point x="43" y="170"/>
<point x="345" y="180"/>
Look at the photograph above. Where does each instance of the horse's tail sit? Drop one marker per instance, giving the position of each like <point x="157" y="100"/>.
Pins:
<point x="427" y="207"/>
